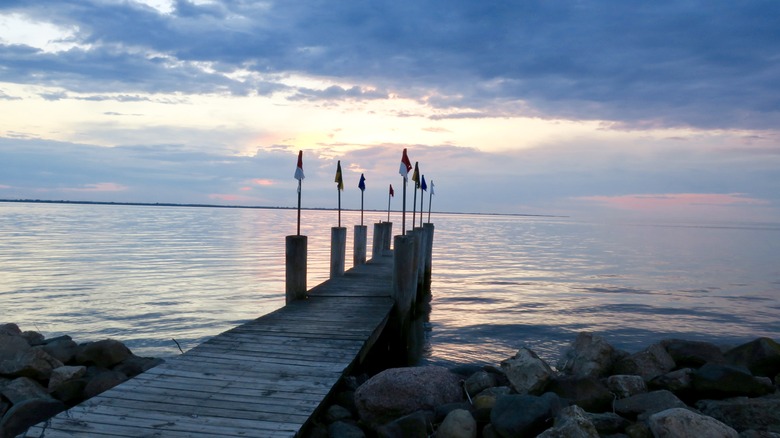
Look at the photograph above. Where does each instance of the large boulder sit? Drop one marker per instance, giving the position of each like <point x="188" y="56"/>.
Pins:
<point x="478" y="382"/>
<point x="414" y="425"/>
<point x="523" y="414"/>
<point x="64" y="374"/>
<point x="589" y="356"/>
<point x="586" y="392"/>
<point x="723" y="381"/>
<point x="399" y="391"/>
<point x="608" y="423"/>
<point x="678" y="422"/>
<point x="641" y="406"/>
<point x="692" y="354"/>
<point x="23" y="388"/>
<point x="648" y="363"/>
<point x="761" y="357"/>
<point x="18" y="359"/>
<point x="623" y="385"/>
<point x="103" y="382"/>
<point x="28" y="413"/>
<point x="105" y="353"/>
<point x="677" y="381"/>
<point x="571" y="422"/>
<point x="63" y="348"/>
<point x="10" y="329"/>
<point x="527" y="373"/>
<point x="744" y="413"/>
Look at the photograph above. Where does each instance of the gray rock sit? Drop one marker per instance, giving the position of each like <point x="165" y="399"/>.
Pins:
<point x="643" y="405"/>
<point x="744" y="413"/>
<point x="758" y="434"/>
<point x="10" y="329"/>
<point x="648" y="363"/>
<point x="33" y="338"/>
<point x="761" y="357"/>
<point x="442" y="411"/>
<point x="677" y="381"/>
<point x="623" y="385"/>
<point x="22" y="389"/>
<point x="639" y="430"/>
<point x="65" y="373"/>
<point x="527" y="373"/>
<point x="18" y="359"/>
<point x="589" y="355"/>
<point x="70" y="392"/>
<point x="337" y="413"/>
<point x="25" y="414"/>
<point x="478" y="382"/>
<point x="608" y="423"/>
<point x="103" y="382"/>
<point x="692" y="354"/>
<point x="586" y="392"/>
<point x="415" y="425"/>
<point x="723" y="381"/>
<point x="343" y="429"/>
<point x="399" y="391"/>
<point x="523" y="414"/>
<point x="62" y="348"/>
<point x="105" y="353"/>
<point x="678" y="422"/>
<point x="458" y="424"/>
<point x="571" y="422"/>
<point x="134" y="365"/>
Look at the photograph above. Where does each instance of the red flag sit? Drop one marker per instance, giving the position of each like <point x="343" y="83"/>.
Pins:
<point x="299" y="170"/>
<point x="392" y="193"/>
<point x="406" y="165"/>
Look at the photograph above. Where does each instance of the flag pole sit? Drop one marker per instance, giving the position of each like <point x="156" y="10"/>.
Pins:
<point x="361" y="208"/>
<point x="339" y="207"/>
<point x="299" y="206"/>
<point x="403" y="215"/>
<point x="430" y="201"/>
<point x="388" y="203"/>
<point x="422" y="199"/>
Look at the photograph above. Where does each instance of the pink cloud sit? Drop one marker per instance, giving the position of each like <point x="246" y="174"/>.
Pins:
<point x="263" y="182"/>
<point x="673" y="200"/>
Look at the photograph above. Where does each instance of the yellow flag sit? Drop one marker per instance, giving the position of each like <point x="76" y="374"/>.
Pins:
<point x="416" y="175"/>
<point x="339" y="179"/>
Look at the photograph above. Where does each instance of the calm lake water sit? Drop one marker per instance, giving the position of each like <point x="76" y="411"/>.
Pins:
<point x="147" y="275"/>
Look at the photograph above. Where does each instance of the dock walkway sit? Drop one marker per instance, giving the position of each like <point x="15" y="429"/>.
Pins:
<point x="264" y="378"/>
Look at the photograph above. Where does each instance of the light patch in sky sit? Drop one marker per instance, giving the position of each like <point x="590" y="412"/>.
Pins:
<point x="17" y="29"/>
<point x="98" y="187"/>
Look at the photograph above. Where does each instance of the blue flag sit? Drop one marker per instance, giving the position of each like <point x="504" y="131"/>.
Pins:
<point x="423" y="186"/>
<point x="362" y="183"/>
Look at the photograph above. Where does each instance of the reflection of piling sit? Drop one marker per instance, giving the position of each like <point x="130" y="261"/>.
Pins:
<point x="359" y="245"/>
<point x="295" y="267"/>
<point x="338" y="251"/>
<point x="428" y="230"/>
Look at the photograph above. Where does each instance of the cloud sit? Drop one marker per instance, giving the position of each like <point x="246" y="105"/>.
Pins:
<point x="672" y="64"/>
<point x="96" y="187"/>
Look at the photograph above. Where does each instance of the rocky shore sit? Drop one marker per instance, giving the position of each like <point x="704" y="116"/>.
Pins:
<point x="675" y="388"/>
<point x="41" y="377"/>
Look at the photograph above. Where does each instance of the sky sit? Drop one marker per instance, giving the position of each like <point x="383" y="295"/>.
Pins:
<point x="664" y="110"/>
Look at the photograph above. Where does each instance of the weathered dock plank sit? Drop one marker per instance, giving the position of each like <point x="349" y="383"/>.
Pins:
<point x="264" y="378"/>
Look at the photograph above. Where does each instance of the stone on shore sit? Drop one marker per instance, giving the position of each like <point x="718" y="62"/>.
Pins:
<point x="458" y="424"/>
<point x="692" y="354"/>
<point x="648" y="363"/>
<point x="527" y="373"/>
<point x="28" y="412"/>
<point x="571" y="422"/>
<point x="586" y="392"/>
<point x="589" y="356"/>
<point x="641" y="406"/>
<point x="761" y="357"/>
<point x="415" y="425"/>
<point x="723" y="381"/>
<point x="744" y="413"/>
<point x="19" y="359"/>
<point x="399" y="391"/>
<point x="524" y="414"/>
<point x="105" y="353"/>
<point x="678" y="422"/>
<point x="64" y="374"/>
<point x="623" y="385"/>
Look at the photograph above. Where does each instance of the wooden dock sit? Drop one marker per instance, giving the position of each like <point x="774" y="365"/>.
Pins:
<point x="265" y="378"/>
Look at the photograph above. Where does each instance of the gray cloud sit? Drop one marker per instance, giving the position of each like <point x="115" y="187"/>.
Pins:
<point x="699" y="63"/>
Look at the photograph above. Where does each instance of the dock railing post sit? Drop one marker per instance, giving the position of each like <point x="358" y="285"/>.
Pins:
<point x="404" y="289"/>
<point x="387" y="235"/>
<point x="295" y="267"/>
<point x="421" y="257"/>
<point x="428" y="228"/>
<point x="417" y="235"/>
<point x="359" y="245"/>
<point x="338" y="251"/>
<point x="378" y="241"/>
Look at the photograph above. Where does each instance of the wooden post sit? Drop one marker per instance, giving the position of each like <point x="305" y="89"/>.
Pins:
<point x="404" y="288"/>
<point x="359" y="245"/>
<point x="422" y="256"/>
<point x="428" y="228"/>
<point x="338" y="250"/>
<point x="295" y="266"/>
<point x="379" y="240"/>
<point x="417" y="235"/>
<point x="387" y="235"/>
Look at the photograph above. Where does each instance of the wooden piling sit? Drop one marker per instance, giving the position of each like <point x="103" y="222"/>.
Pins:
<point x="428" y="228"/>
<point x="387" y="235"/>
<point x="359" y="245"/>
<point x="377" y="244"/>
<point x="338" y="251"/>
<point x="404" y="285"/>
<point x="421" y="257"/>
<point x="295" y="267"/>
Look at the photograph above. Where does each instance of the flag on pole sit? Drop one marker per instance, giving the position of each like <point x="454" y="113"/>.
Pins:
<point x="339" y="181"/>
<point x="406" y="165"/>
<point x="431" y="187"/>
<point x="299" y="170"/>
<point x="392" y="193"/>
<point x="416" y="176"/>
<point x="424" y="186"/>
<point x="362" y="183"/>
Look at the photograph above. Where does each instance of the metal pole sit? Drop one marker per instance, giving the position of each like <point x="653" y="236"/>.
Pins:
<point x="299" y="206"/>
<point x="339" y="207"/>
<point x="422" y="200"/>
<point x="430" y="200"/>
<point x="361" y="208"/>
<point x="403" y="215"/>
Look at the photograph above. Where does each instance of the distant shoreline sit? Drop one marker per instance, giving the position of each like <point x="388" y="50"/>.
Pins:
<point x="171" y="204"/>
